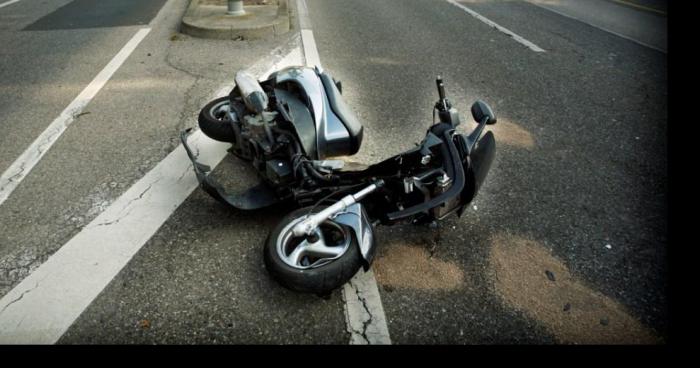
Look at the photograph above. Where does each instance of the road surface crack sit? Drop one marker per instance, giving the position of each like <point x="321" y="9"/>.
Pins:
<point x="15" y="176"/>
<point x="187" y="170"/>
<point x="365" y="323"/>
<point x="19" y="298"/>
<point x="143" y="193"/>
<point x="140" y="196"/>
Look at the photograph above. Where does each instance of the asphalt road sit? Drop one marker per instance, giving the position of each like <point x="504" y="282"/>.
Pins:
<point x="566" y="242"/>
<point x="573" y="173"/>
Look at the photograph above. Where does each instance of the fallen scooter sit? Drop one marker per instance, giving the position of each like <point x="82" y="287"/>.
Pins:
<point x="289" y="126"/>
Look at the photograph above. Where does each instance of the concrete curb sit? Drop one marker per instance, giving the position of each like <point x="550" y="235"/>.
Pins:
<point x="203" y="24"/>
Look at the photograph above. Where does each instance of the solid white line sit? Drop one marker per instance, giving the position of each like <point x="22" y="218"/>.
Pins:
<point x="8" y="3"/>
<point x="303" y="10"/>
<point x="307" y="36"/>
<point x="598" y="27"/>
<point x="19" y="169"/>
<point x="515" y="37"/>
<point x="364" y="313"/>
<point x="43" y="306"/>
<point x="310" y="51"/>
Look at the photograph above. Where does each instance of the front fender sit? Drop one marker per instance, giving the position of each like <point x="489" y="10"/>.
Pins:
<point x="355" y="217"/>
<point x="476" y="166"/>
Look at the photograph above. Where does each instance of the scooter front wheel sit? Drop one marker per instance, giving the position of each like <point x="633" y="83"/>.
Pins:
<point x="318" y="264"/>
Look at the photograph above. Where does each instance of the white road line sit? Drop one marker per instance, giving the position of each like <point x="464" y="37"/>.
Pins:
<point x="641" y="7"/>
<point x="43" y="306"/>
<point x="303" y="10"/>
<point x="8" y="3"/>
<point x="598" y="27"/>
<point x="480" y="17"/>
<point x="364" y="313"/>
<point x="310" y="51"/>
<point x="307" y="36"/>
<point x="19" y="169"/>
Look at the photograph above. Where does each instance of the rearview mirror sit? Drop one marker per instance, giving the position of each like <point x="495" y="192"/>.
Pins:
<point x="481" y="110"/>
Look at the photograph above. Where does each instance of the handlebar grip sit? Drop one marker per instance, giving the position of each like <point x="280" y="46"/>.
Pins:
<point x="440" y="87"/>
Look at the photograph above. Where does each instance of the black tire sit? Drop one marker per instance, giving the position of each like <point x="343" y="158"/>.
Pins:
<point x="321" y="280"/>
<point x="215" y="126"/>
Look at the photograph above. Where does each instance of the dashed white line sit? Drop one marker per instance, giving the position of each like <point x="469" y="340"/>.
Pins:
<point x="639" y="6"/>
<point x="44" y="305"/>
<point x="364" y="313"/>
<point x="8" y="3"/>
<point x="543" y="6"/>
<point x="510" y="33"/>
<point x="19" y="169"/>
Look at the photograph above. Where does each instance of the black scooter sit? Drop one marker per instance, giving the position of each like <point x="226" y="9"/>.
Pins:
<point x="289" y="125"/>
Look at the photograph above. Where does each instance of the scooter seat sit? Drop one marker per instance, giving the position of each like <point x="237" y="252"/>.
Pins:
<point x="341" y="109"/>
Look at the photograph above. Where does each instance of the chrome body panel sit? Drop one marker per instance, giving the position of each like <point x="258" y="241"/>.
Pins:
<point x="354" y="217"/>
<point x="332" y="138"/>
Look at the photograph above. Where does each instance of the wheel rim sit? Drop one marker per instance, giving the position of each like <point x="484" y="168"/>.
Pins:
<point x="220" y="110"/>
<point x="300" y="253"/>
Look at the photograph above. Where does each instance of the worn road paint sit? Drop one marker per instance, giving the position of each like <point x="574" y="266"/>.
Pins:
<point x="8" y="3"/>
<point x="307" y="36"/>
<point x="598" y="27"/>
<point x="364" y="314"/>
<point x="638" y="6"/>
<point x="42" y="307"/>
<point x="510" y="33"/>
<point x="310" y="51"/>
<point x="304" y="22"/>
<point x="19" y="169"/>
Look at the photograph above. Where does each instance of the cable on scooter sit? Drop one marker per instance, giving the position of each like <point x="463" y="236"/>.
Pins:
<point x="334" y="193"/>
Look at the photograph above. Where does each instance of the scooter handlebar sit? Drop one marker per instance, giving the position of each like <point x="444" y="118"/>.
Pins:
<point x="440" y="87"/>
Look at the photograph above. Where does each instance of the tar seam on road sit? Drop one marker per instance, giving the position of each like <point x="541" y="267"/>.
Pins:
<point x="41" y="308"/>
<point x="8" y="3"/>
<point x="19" y="169"/>
<point x="597" y="27"/>
<point x="514" y="36"/>
<point x="364" y="313"/>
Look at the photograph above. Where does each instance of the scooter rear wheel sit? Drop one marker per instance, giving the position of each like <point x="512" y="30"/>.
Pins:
<point x="214" y="122"/>
<point x="317" y="266"/>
